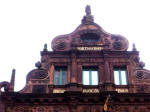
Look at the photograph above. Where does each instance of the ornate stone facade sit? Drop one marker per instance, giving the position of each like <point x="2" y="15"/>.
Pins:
<point x="84" y="68"/>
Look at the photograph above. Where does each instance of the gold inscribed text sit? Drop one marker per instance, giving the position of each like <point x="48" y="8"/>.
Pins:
<point x="90" y="91"/>
<point x="122" y="90"/>
<point x="89" y="48"/>
<point x="59" y="90"/>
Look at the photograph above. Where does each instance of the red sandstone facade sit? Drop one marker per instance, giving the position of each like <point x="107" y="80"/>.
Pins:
<point x="84" y="68"/>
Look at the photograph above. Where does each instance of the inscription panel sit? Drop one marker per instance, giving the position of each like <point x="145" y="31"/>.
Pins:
<point x="120" y="90"/>
<point x="90" y="91"/>
<point x="89" y="48"/>
<point x="59" y="90"/>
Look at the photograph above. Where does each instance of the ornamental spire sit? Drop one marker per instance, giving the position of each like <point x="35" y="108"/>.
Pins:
<point x="88" y="18"/>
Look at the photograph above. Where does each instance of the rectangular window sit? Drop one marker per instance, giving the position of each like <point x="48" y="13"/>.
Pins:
<point x="90" y="75"/>
<point x="120" y="76"/>
<point x="60" y="76"/>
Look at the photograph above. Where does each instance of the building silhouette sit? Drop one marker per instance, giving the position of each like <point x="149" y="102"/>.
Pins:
<point x="89" y="70"/>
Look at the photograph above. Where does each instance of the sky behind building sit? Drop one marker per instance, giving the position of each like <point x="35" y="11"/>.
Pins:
<point x="26" y="25"/>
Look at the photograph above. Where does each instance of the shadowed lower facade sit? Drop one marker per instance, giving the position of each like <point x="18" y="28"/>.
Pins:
<point x="89" y="70"/>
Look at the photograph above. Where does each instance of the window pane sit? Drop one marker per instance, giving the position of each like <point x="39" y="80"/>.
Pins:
<point x="94" y="77"/>
<point x="123" y="78"/>
<point x="57" y="77"/>
<point x="64" y="77"/>
<point x="116" y="77"/>
<point x="86" y="78"/>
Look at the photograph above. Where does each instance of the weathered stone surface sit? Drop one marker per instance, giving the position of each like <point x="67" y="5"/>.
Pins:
<point x="88" y="46"/>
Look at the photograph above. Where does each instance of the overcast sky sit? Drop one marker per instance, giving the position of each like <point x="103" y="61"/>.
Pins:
<point x="25" y="25"/>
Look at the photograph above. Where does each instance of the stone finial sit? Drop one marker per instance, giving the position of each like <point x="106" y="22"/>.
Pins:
<point x="38" y="64"/>
<point x="134" y="47"/>
<point x="12" y="81"/>
<point x="141" y="64"/>
<point x="45" y="47"/>
<point x="88" y="18"/>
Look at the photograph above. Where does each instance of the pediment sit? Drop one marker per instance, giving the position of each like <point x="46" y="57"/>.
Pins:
<point x="89" y="37"/>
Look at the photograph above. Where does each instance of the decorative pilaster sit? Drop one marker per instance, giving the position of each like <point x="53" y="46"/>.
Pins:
<point x="106" y="69"/>
<point x="108" y="85"/>
<point x="51" y="78"/>
<point x="69" y="73"/>
<point x="74" y="69"/>
<point x="80" y="74"/>
<point x="51" y="74"/>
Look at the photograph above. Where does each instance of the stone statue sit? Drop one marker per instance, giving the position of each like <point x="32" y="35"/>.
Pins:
<point x="88" y="10"/>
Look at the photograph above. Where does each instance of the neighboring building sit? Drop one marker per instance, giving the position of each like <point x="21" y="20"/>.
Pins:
<point x="89" y="70"/>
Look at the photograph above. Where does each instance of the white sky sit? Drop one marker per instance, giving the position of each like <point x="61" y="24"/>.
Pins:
<point x="25" y="25"/>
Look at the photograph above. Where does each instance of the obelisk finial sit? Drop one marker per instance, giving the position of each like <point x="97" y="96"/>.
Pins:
<point x="12" y="81"/>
